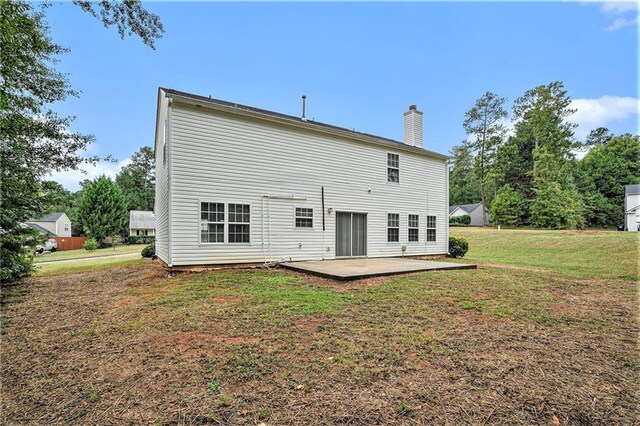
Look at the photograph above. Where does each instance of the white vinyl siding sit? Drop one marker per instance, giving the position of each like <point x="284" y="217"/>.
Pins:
<point x="282" y="168"/>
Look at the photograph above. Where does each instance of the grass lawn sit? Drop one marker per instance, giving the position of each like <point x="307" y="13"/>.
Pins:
<point x="82" y="253"/>
<point x="531" y="337"/>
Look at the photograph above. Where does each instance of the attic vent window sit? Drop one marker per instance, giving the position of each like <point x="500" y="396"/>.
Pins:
<point x="393" y="167"/>
<point x="304" y="217"/>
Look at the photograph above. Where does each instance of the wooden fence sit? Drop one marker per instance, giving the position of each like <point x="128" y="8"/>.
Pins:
<point x="70" y="243"/>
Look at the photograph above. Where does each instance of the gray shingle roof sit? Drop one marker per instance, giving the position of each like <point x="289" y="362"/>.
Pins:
<point x="466" y="207"/>
<point x="38" y="228"/>
<point x="632" y="189"/>
<point x="51" y="217"/>
<point x="310" y="123"/>
<point x="142" y="220"/>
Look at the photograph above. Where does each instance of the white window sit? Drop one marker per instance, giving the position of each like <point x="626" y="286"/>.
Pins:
<point x="431" y="228"/>
<point x="413" y="227"/>
<point x="304" y="217"/>
<point x="66" y="226"/>
<point x="393" y="227"/>
<point x="393" y="167"/>
<point x="212" y="222"/>
<point x="239" y="219"/>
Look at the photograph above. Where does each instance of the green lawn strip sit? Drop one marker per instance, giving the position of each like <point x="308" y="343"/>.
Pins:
<point x="55" y="268"/>
<point x="82" y="253"/>
<point x="600" y="255"/>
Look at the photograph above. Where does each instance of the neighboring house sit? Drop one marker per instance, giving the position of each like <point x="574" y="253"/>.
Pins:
<point x="632" y="207"/>
<point x="141" y="223"/>
<point x="55" y="224"/>
<point x="237" y="184"/>
<point x="473" y="210"/>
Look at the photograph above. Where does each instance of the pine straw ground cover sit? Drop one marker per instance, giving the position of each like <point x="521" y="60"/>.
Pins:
<point x="490" y="346"/>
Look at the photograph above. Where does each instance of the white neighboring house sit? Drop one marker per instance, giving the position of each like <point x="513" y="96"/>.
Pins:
<point x="142" y="223"/>
<point x="55" y="224"/>
<point x="632" y="207"/>
<point x="237" y="184"/>
<point x="473" y="210"/>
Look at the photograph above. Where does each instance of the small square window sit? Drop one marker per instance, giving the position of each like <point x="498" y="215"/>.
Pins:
<point x="304" y="217"/>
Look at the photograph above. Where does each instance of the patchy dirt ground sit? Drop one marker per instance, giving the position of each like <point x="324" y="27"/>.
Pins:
<point x="492" y="346"/>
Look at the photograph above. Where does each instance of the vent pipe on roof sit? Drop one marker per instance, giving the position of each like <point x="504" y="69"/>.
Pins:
<point x="304" y="105"/>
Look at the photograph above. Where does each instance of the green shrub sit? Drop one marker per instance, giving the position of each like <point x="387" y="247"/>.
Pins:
<point x="16" y="260"/>
<point x="140" y="239"/>
<point x="458" y="247"/>
<point x="91" y="244"/>
<point x="461" y="220"/>
<point x="149" y="251"/>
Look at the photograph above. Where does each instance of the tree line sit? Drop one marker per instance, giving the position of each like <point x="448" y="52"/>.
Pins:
<point x="533" y="177"/>
<point x="101" y="207"/>
<point x="35" y="139"/>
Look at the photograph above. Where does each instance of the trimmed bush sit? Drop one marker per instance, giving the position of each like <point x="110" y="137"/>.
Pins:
<point x="458" y="247"/>
<point x="461" y="220"/>
<point x="140" y="239"/>
<point x="91" y="244"/>
<point x="149" y="251"/>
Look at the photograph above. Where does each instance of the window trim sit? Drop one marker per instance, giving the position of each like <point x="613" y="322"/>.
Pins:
<point x="409" y="228"/>
<point x="295" y="217"/>
<point x="224" y="224"/>
<point x="395" y="168"/>
<point x="434" y="227"/>
<point x="390" y="227"/>
<point x="228" y="223"/>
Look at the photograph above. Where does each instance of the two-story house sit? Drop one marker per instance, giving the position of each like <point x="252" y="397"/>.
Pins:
<point x="237" y="184"/>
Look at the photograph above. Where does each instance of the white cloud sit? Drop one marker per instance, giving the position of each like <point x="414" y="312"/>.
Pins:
<point x="625" y="13"/>
<point x="593" y="113"/>
<point x="620" y="23"/>
<point x="619" y="6"/>
<point x="71" y="179"/>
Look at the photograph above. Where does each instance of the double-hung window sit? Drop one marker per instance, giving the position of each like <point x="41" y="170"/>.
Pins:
<point x="212" y="222"/>
<point x="393" y="167"/>
<point x="304" y="217"/>
<point x="239" y="227"/>
<point x="431" y="228"/>
<point x="413" y="226"/>
<point x="393" y="227"/>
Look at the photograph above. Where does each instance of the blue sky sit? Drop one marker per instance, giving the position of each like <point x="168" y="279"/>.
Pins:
<point x="360" y="64"/>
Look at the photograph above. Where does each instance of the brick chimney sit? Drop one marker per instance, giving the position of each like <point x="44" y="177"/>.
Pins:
<point x="413" y="127"/>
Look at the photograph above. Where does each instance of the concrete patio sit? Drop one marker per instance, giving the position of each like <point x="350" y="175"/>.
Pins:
<point x="353" y="269"/>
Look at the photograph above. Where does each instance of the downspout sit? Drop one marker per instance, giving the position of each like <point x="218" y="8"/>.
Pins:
<point x="170" y="197"/>
<point x="446" y="213"/>
<point x="323" y="224"/>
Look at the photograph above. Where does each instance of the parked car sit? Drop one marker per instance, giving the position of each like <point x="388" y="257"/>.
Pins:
<point x="50" y="245"/>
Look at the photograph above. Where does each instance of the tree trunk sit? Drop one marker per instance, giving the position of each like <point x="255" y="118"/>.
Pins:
<point x="485" y="222"/>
